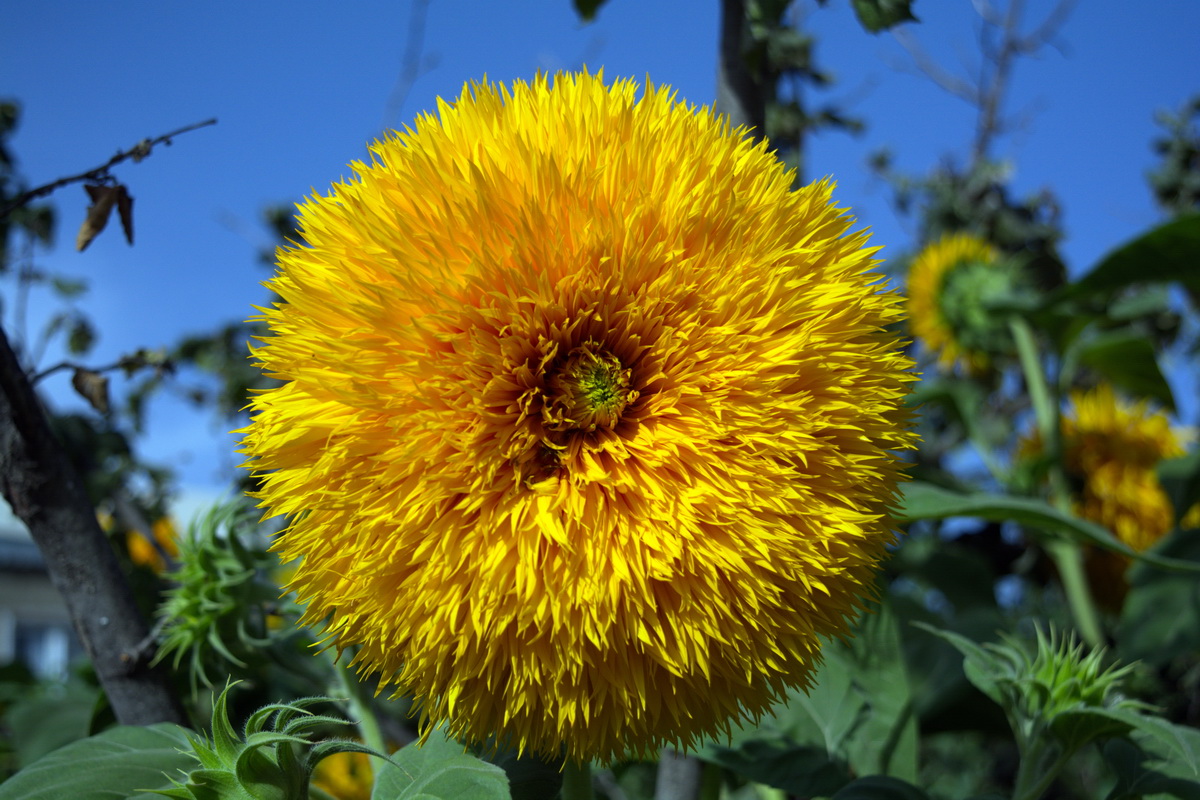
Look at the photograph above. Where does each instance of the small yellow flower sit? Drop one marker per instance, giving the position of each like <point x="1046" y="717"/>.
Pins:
<point x="588" y="420"/>
<point x="927" y="312"/>
<point x="345" y="775"/>
<point x="143" y="553"/>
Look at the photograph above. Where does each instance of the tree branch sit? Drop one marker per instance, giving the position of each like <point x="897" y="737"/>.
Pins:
<point x="43" y="489"/>
<point x="137" y="153"/>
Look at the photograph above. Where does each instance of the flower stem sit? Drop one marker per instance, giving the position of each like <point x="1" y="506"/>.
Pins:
<point x="1033" y="779"/>
<point x="1067" y="556"/>
<point x="577" y="781"/>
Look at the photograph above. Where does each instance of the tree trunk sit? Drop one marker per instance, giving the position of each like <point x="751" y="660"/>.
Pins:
<point x="43" y="489"/>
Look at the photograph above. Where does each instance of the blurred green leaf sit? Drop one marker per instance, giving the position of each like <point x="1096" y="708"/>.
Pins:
<point x="886" y="741"/>
<point x="1129" y="361"/>
<point x="68" y="288"/>
<point x="922" y="500"/>
<point x="1168" y="253"/>
<point x="1145" y="632"/>
<point x="777" y="761"/>
<point x="126" y="761"/>
<point x="81" y="336"/>
<point x="587" y="8"/>
<point x="439" y="769"/>
<point x="43" y="722"/>
<point x="879" y="787"/>
<point x="878" y="15"/>
<point x="1139" y="775"/>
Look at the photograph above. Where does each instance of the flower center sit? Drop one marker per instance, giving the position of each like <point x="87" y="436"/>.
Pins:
<point x="592" y="388"/>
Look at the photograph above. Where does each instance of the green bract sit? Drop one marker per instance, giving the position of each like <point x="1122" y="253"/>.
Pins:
<point x="215" y="615"/>
<point x="272" y="759"/>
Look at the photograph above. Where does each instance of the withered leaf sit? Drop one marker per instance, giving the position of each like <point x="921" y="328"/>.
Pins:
<point x="125" y="210"/>
<point x="93" y="387"/>
<point x="103" y="199"/>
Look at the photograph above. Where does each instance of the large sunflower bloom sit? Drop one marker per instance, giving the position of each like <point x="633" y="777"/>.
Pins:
<point x="586" y="425"/>
<point x="927" y="300"/>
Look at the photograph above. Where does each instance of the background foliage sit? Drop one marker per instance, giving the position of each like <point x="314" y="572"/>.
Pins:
<point x="994" y="665"/>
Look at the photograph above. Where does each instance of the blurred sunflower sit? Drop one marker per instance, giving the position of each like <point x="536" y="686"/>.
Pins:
<point x="149" y="554"/>
<point x="1111" y="448"/>
<point x="588" y="425"/>
<point x="346" y="776"/>
<point x="943" y="309"/>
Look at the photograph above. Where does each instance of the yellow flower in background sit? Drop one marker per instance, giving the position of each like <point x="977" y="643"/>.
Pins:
<point x="345" y="775"/>
<point x="927" y="300"/>
<point x="1114" y="445"/>
<point x="143" y="553"/>
<point x="1111" y="448"/>
<point x="588" y="420"/>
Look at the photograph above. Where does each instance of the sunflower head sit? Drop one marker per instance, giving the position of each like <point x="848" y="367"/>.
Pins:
<point x="953" y="285"/>
<point x="1111" y="448"/>
<point x="588" y="420"/>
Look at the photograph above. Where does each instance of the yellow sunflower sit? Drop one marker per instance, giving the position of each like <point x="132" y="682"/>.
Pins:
<point x="147" y="554"/>
<point x="346" y="776"/>
<point x="1111" y="447"/>
<point x="587" y="425"/>
<point x="927" y="301"/>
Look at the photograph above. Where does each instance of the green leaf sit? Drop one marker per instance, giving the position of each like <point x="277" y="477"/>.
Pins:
<point x="587" y="8"/>
<point x="1168" y="253"/>
<point x="439" y="769"/>
<point x="1129" y="361"/>
<point x="126" y="761"/>
<point x="922" y="500"/>
<point x="68" y="288"/>
<point x="804" y="771"/>
<point x="42" y="724"/>
<point x="983" y="668"/>
<point x="879" y="787"/>
<point x="878" y="15"/>
<point x="80" y="337"/>
<point x="1180" y="479"/>
<point x="1177" y="745"/>
<point x="1146" y="633"/>
<point x="530" y="778"/>
<point x="1138" y="775"/>
<point x="886" y="741"/>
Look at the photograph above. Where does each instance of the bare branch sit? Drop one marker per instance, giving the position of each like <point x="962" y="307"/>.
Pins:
<point x="412" y="65"/>
<point x="925" y="65"/>
<point x="138" y="152"/>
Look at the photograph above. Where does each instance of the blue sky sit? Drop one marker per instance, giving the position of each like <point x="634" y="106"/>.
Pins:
<point x="300" y="88"/>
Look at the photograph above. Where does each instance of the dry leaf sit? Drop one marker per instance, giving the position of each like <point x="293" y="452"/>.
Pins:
<point x="103" y="198"/>
<point x="93" y="387"/>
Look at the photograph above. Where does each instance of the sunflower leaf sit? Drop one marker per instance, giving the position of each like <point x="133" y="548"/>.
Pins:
<point x="1165" y="254"/>
<point x="922" y="500"/>
<point x="126" y="761"/>
<point x="439" y="769"/>
<point x="1129" y="361"/>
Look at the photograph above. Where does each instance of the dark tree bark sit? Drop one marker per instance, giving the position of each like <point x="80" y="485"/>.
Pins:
<point x="43" y="489"/>
<point x="739" y="94"/>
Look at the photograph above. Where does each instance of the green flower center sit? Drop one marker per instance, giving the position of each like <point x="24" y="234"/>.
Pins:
<point x="592" y="388"/>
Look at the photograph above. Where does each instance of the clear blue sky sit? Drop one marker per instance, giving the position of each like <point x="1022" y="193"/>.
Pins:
<point x="300" y="87"/>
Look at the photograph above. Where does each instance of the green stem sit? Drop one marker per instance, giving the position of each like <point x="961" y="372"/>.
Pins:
<point x="577" y="781"/>
<point x="710" y="782"/>
<point x="1067" y="556"/>
<point x="360" y="710"/>
<point x="1033" y="781"/>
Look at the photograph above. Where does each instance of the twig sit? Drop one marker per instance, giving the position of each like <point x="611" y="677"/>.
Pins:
<point x="411" y="68"/>
<point x="100" y="173"/>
